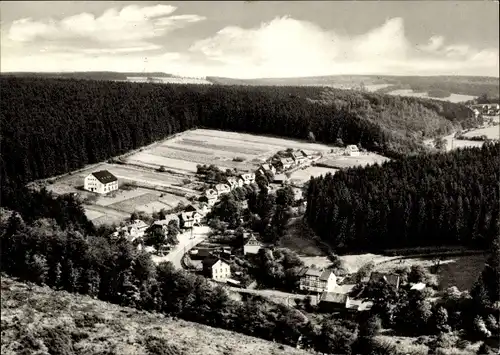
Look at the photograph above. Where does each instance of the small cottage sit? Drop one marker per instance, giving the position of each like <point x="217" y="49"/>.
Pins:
<point x="248" y="178"/>
<point x="333" y="302"/>
<point x="252" y="246"/>
<point x="190" y="219"/>
<point x="352" y="151"/>
<point x="235" y="182"/>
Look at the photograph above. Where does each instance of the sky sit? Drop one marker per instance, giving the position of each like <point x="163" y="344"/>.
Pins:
<point x="252" y="39"/>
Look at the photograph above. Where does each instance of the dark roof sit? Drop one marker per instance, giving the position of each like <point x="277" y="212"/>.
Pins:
<point x="325" y="275"/>
<point x="391" y="279"/>
<point x="104" y="176"/>
<point x="334" y="297"/>
<point x="253" y="241"/>
<point x="210" y="261"/>
<point x="190" y="208"/>
<point x="310" y="272"/>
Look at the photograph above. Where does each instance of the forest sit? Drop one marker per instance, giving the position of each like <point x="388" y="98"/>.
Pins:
<point x="54" y="126"/>
<point x="428" y="200"/>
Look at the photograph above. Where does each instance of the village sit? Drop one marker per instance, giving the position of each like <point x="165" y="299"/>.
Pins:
<point x="175" y="237"/>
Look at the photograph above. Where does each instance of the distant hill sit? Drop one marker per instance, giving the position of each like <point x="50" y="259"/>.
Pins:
<point x="444" y="85"/>
<point x="91" y="75"/>
<point x="36" y="318"/>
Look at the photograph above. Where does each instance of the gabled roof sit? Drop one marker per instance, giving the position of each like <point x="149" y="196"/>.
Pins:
<point x="253" y="241"/>
<point x="313" y="272"/>
<point x="334" y="297"/>
<point x="352" y="148"/>
<point x="188" y="215"/>
<point x="391" y="279"/>
<point x="104" y="176"/>
<point x="190" y="208"/>
<point x="210" y="261"/>
<point x="325" y="275"/>
<point x="221" y="187"/>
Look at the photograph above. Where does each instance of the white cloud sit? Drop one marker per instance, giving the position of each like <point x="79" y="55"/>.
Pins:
<point x="287" y="47"/>
<point x="284" y="47"/>
<point x="119" y="30"/>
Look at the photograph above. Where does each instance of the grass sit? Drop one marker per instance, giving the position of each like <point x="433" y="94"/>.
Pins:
<point x="40" y="320"/>
<point x="299" y="238"/>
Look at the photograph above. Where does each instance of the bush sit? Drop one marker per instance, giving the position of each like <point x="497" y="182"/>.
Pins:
<point x="239" y="159"/>
<point x="58" y="341"/>
<point x="160" y="346"/>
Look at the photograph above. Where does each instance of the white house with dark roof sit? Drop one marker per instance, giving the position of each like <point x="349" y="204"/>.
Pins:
<point x="252" y="246"/>
<point x="190" y="219"/>
<point x="235" y="182"/>
<point x="222" y="189"/>
<point x="216" y="269"/>
<point x="315" y="280"/>
<point x="248" y="178"/>
<point x="101" y="182"/>
<point x="352" y="151"/>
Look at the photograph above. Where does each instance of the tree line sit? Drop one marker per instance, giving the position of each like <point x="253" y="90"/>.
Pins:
<point x="53" y="126"/>
<point x="428" y="200"/>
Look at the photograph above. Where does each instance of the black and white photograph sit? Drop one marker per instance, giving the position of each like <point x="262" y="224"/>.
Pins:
<point x="250" y="177"/>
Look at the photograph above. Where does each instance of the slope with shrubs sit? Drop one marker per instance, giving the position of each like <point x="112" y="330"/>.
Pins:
<point x="38" y="319"/>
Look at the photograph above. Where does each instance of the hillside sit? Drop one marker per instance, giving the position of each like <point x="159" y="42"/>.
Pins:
<point x="31" y="317"/>
<point x="91" y="75"/>
<point x="441" y="86"/>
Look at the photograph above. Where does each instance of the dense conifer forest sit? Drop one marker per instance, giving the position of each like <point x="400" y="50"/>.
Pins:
<point x="53" y="126"/>
<point x="428" y="200"/>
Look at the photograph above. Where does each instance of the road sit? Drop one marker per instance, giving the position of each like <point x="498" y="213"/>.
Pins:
<point x="185" y="244"/>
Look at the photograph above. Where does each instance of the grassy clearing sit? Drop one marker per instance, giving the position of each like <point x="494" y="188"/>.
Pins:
<point x="300" y="239"/>
<point x="303" y="175"/>
<point x="460" y="271"/>
<point x="30" y="318"/>
<point x="340" y="162"/>
<point x="492" y="132"/>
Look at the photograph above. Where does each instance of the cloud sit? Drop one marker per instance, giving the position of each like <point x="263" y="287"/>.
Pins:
<point x="286" y="47"/>
<point x="128" y="40"/>
<point x="114" y="31"/>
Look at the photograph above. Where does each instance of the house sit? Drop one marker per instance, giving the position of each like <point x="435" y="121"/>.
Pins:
<point x="315" y="280"/>
<point x="222" y="189"/>
<point x="283" y="164"/>
<point x="391" y="279"/>
<point x="162" y="224"/>
<point x="333" y="301"/>
<point x="189" y="219"/>
<point x="203" y="209"/>
<point x="267" y="167"/>
<point x="252" y="246"/>
<point x="418" y="286"/>
<point x="248" y="178"/>
<point x="299" y="157"/>
<point x="280" y="179"/>
<point x="216" y="269"/>
<point x="352" y="151"/>
<point x="132" y="231"/>
<point x="235" y="182"/>
<point x="101" y="182"/>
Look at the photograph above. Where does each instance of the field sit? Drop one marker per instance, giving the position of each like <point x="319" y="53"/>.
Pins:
<point x="341" y="162"/>
<point x="492" y="132"/>
<point x="461" y="271"/>
<point x="303" y="175"/>
<point x="94" y="327"/>
<point x="452" y="98"/>
<point x="139" y="190"/>
<point x="183" y="152"/>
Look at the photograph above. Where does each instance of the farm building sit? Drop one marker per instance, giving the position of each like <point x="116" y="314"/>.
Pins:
<point x="352" y="151"/>
<point x="235" y="182"/>
<point x="248" y="178"/>
<point x="200" y="254"/>
<point x="332" y="301"/>
<point x="134" y="230"/>
<point x="299" y="157"/>
<point x="391" y="279"/>
<point x="283" y="164"/>
<point x="280" y="179"/>
<point x="190" y="219"/>
<point x="267" y="167"/>
<point x="252" y="246"/>
<point x="315" y="280"/>
<point x="222" y="189"/>
<point x="101" y="182"/>
<point x="162" y="224"/>
<point x="216" y="269"/>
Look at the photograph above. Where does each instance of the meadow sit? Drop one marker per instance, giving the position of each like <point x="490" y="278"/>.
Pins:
<point x="341" y="161"/>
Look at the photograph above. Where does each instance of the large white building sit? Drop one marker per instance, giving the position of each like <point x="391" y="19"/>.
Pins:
<point x="101" y="182"/>
<point x="352" y="150"/>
